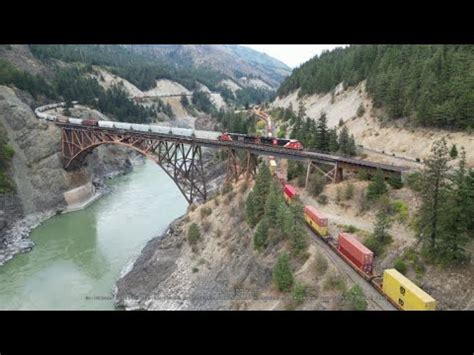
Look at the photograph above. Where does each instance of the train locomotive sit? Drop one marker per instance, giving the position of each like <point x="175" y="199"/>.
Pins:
<point x="395" y="287"/>
<point x="249" y="139"/>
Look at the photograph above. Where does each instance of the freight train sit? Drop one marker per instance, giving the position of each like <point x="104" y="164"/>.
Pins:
<point x="394" y="286"/>
<point x="210" y="135"/>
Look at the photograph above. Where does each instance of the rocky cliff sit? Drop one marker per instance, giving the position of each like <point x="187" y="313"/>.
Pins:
<point x="37" y="172"/>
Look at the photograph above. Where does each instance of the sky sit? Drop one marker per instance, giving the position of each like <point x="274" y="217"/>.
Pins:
<point x="293" y="54"/>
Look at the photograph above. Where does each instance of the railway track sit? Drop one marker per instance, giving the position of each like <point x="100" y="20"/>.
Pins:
<point x="372" y="294"/>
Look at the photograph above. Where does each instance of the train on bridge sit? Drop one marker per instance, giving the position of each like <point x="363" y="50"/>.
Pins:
<point x="186" y="132"/>
<point x="394" y="286"/>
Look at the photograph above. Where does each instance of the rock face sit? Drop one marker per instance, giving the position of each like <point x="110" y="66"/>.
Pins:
<point x="36" y="169"/>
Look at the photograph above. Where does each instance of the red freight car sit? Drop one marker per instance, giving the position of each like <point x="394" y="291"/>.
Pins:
<point x="90" y="122"/>
<point x="289" y="192"/>
<point x="356" y="252"/>
<point x="316" y="216"/>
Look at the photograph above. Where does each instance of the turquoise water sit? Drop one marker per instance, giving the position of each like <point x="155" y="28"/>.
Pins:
<point x="78" y="256"/>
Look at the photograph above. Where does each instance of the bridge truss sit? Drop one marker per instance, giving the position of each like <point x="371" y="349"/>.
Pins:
<point x="181" y="162"/>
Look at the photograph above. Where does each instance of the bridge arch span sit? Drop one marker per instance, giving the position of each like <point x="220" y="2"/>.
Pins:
<point x="181" y="162"/>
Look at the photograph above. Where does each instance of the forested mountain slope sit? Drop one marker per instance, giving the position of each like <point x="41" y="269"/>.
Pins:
<point x="432" y="85"/>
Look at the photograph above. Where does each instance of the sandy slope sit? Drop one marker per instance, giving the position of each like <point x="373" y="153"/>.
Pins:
<point x="110" y="79"/>
<point x="368" y="130"/>
<point x="166" y="87"/>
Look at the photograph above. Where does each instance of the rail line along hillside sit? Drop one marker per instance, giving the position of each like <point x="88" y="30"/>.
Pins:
<point x="396" y="288"/>
<point x="267" y="146"/>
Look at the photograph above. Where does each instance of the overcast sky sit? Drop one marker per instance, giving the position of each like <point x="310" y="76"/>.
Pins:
<point x="293" y="54"/>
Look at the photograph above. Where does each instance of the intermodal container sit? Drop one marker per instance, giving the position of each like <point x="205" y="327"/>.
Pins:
<point x="289" y="192"/>
<point x="405" y="293"/>
<point x="316" y="220"/>
<point x="273" y="165"/>
<point x="356" y="252"/>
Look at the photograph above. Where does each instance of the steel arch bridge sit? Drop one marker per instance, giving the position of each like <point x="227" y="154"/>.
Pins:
<point x="181" y="156"/>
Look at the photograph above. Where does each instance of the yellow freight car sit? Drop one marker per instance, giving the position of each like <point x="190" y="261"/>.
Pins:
<point x="405" y="293"/>
<point x="273" y="166"/>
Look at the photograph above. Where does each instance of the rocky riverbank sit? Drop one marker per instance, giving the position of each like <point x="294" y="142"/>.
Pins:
<point x="37" y="173"/>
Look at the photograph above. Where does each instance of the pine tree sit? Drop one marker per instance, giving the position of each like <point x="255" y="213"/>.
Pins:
<point x="377" y="186"/>
<point x="282" y="274"/>
<point x="283" y="222"/>
<point x="453" y="153"/>
<point x="250" y="216"/>
<point x="382" y="224"/>
<point x="351" y="146"/>
<point x="433" y="193"/>
<point x="260" y="239"/>
<point x="344" y="140"/>
<point x="454" y="222"/>
<point x="333" y="142"/>
<point x="274" y="200"/>
<point x="261" y="189"/>
<point x="323" y="134"/>
<point x="469" y="203"/>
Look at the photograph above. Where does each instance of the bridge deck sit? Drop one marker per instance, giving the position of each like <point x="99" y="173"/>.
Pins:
<point x="253" y="148"/>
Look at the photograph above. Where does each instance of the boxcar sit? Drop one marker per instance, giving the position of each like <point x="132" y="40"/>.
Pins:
<point x="289" y="192"/>
<point x="405" y="293"/>
<point x="316" y="220"/>
<point x="356" y="252"/>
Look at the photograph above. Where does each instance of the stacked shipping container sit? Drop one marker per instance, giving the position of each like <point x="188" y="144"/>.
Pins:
<point x="356" y="252"/>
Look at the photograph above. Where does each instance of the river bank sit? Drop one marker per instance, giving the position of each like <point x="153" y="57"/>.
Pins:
<point x="78" y="256"/>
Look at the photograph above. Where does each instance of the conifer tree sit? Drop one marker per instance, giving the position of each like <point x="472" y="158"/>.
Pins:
<point x="433" y="193"/>
<point x="282" y="274"/>
<point x="323" y="134"/>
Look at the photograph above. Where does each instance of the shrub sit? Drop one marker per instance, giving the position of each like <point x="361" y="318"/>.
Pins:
<point x="414" y="181"/>
<point x="301" y="181"/>
<point x="218" y="233"/>
<point x="362" y="175"/>
<point x="192" y="207"/>
<point x="298" y="294"/>
<point x="377" y="246"/>
<point x="360" y="110"/>
<point x="8" y="151"/>
<point x="316" y="184"/>
<point x="322" y="199"/>
<point x="400" y="266"/>
<point x="321" y="264"/>
<point x="349" y="191"/>
<point x="395" y="182"/>
<point x="205" y="211"/>
<point x="334" y="282"/>
<point x="282" y="274"/>
<point x="354" y="299"/>
<point x="349" y="228"/>
<point x="216" y="200"/>
<point x="193" y="234"/>
<point x="195" y="269"/>
<point x="400" y="208"/>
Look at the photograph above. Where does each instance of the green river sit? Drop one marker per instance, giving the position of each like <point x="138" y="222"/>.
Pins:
<point x="78" y="256"/>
